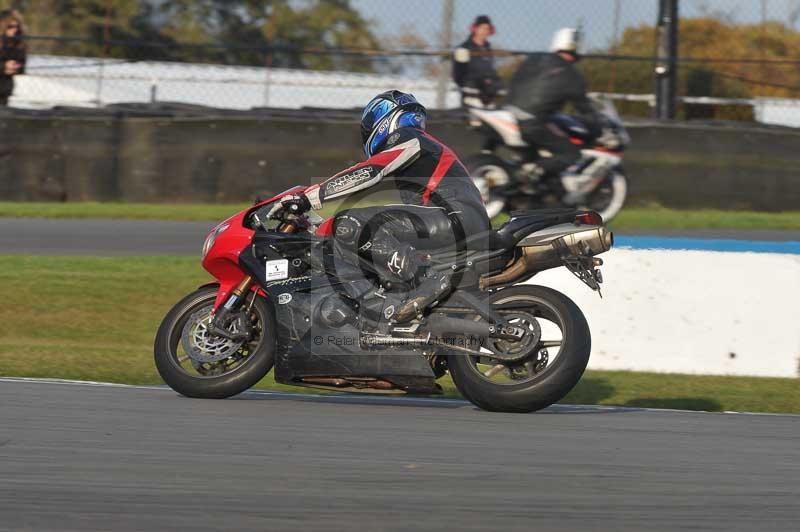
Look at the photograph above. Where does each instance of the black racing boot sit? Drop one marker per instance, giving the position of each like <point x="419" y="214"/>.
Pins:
<point x="408" y="264"/>
<point x="429" y="291"/>
<point x="401" y="267"/>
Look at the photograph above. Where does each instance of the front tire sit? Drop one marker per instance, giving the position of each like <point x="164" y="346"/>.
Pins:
<point x="548" y="382"/>
<point x="242" y="366"/>
<point x="489" y="172"/>
<point x="609" y="198"/>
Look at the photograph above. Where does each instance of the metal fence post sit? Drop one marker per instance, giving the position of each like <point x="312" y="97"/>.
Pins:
<point x="445" y="43"/>
<point x="106" y="50"/>
<point x="267" y="83"/>
<point x="269" y="58"/>
<point x="98" y="96"/>
<point x="667" y="60"/>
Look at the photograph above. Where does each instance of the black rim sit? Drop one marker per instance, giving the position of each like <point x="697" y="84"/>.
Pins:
<point x="203" y="369"/>
<point x="549" y="328"/>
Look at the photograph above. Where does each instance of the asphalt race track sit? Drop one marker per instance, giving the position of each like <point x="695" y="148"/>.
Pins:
<point x="83" y="457"/>
<point x="36" y="236"/>
<point x="102" y="458"/>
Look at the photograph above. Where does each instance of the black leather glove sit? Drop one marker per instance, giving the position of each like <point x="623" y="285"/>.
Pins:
<point x="294" y="204"/>
<point x="297" y="203"/>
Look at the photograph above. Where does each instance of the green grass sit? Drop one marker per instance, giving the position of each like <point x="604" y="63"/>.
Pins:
<point x="122" y="211"/>
<point x="662" y="218"/>
<point x="95" y="318"/>
<point x="630" y="218"/>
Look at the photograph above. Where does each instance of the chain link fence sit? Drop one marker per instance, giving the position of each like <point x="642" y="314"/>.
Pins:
<point x="738" y="59"/>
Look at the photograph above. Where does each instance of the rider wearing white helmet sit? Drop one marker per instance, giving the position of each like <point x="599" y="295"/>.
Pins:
<point x="566" y="40"/>
<point x="540" y="88"/>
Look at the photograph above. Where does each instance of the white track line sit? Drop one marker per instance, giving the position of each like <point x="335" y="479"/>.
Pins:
<point x="377" y="399"/>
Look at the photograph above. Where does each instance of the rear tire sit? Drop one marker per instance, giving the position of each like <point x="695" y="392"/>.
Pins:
<point x="553" y="382"/>
<point x="252" y="368"/>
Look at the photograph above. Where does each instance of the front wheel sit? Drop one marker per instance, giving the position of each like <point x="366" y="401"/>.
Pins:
<point x="197" y="364"/>
<point x="489" y="172"/>
<point x="609" y="197"/>
<point x="557" y="352"/>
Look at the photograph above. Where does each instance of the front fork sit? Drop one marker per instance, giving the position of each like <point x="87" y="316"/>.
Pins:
<point x="228" y="314"/>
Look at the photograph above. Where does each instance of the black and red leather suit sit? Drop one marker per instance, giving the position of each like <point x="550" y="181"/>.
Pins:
<point x="440" y="203"/>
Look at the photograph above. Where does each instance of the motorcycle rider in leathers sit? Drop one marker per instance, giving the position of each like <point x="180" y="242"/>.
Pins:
<point x="440" y="203"/>
<point x="540" y="88"/>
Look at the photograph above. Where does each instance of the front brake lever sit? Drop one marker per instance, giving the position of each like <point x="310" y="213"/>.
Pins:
<point x="256" y="221"/>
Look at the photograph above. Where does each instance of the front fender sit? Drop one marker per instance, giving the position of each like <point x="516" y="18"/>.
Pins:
<point x="224" y="292"/>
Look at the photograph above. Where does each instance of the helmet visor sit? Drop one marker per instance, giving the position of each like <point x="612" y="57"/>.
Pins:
<point x="376" y="111"/>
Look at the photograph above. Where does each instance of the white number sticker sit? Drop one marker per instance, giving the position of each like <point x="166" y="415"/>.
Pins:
<point x="277" y="269"/>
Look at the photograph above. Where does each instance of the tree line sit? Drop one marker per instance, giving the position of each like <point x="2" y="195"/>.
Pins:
<point x="772" y="70"/>
<point x="276" y="33"/>
<point x="218" y="31"/>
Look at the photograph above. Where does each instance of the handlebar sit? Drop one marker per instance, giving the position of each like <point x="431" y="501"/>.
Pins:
<point x="284" y="217"/>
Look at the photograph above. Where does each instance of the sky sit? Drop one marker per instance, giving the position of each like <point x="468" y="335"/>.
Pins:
<point x="529" y="24"/>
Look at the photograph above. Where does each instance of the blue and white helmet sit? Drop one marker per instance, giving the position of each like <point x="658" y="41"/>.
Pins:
<point x="386" y="113"/>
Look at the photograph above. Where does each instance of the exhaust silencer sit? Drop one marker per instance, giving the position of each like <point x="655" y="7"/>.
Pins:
<point x="545" y="249"/>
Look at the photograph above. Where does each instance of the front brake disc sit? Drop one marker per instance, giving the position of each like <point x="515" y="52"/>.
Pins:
<point x="201" y="345"/>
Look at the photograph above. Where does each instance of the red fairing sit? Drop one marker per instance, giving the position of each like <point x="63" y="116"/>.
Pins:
<point x="326" y="228"/>
<point x="222" y="260"/>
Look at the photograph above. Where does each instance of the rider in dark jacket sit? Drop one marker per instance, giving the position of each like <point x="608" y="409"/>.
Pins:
<point x="540" y="88"/>
<point x="440" y="204"/>
<point x="473" y="65"/>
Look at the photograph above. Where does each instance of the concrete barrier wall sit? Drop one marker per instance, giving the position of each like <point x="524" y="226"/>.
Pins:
<point x="194" y="157"/>
<point x="701" y="312"/>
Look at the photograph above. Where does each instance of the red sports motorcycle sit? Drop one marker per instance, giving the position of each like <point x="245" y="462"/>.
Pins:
<point x="279" y="301"/>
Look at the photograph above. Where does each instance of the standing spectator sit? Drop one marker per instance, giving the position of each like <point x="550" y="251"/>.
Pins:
<point x="473" y="66"/>
<point x="12" y="52"/>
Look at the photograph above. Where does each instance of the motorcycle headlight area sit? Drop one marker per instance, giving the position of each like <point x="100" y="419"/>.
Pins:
<point x="212" y="237"/>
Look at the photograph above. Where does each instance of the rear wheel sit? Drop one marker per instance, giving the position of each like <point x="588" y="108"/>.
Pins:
<point x="489" y="172"/>
<point x="195" y="363"/>
<point x="558" y="350"/>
